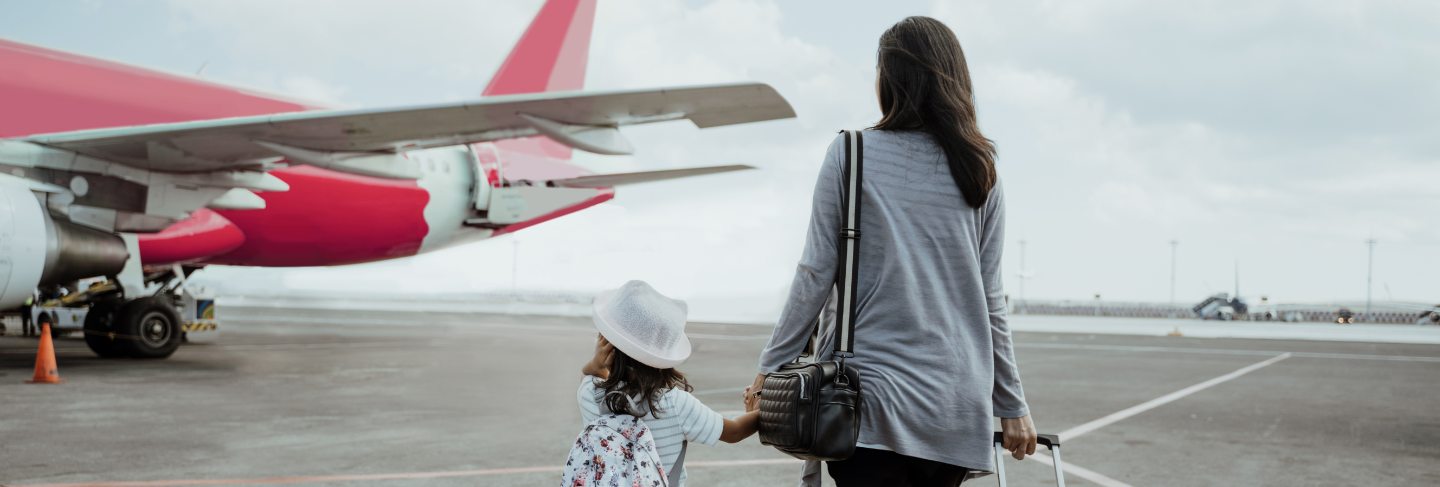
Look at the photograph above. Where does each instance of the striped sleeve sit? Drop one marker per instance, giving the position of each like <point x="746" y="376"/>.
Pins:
<point x="700" y="423"/>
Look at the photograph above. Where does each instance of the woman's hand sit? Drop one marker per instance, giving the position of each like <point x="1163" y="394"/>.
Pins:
<point x="1019" y="436"/>
<point x="752" y="393"/>
<point x="599" y="365"/>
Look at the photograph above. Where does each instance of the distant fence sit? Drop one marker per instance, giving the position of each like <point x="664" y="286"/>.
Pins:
<point x="1102" y="308"/>
<point x="532" y="303"/>
<point x="1322" y="313"/>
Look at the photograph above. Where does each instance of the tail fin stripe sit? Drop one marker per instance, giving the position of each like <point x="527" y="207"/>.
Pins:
<point x="552" y="52"/>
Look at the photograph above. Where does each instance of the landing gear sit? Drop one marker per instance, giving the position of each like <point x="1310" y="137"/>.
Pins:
<point x="145" y="328"/>
<point x="148" y="327"/>
<point x="152" y="328"/>
<point x="99" y="334"/>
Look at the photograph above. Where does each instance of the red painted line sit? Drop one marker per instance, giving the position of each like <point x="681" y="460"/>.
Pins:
<point x="306" y="479"/>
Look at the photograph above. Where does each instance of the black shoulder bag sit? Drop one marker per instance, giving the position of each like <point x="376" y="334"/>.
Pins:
<point x="811" y="409"/>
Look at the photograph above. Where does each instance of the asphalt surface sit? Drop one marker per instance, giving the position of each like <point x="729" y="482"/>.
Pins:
<point x="308" y="398"/>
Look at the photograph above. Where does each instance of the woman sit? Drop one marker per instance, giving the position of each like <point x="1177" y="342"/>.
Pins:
<point x="931" y="340"/>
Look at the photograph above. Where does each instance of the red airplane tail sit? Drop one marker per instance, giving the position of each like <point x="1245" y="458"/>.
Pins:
<point x="552" y="52"/>
<point x="550" y="56"/>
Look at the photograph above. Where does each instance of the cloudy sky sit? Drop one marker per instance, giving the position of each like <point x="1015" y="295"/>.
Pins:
<point x="1275" y="135"/>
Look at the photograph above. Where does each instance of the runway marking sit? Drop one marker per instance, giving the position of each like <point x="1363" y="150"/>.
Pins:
<point x="1120" y="415"/>
<point x="1226" y="351"/>
<point x="306" y="479"/>
<point x="1082" y="472"/>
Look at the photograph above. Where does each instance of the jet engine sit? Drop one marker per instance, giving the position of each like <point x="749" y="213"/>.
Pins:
<point x="38" y="250"/>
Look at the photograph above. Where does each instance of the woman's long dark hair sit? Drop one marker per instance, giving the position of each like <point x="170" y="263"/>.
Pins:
<point x="629" y="378"/>
<point x="924" y="85"/>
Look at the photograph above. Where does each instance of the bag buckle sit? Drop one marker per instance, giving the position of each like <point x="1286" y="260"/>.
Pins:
<point x="850" y="233"/>
<point x="840" y="376"/>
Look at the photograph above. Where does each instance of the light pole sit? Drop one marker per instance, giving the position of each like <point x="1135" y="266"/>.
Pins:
<point x="1369" y="276"/>
<point x="1173" y="245"/>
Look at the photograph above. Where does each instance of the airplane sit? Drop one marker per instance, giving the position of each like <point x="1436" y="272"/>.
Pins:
<point x="140" y="177"/>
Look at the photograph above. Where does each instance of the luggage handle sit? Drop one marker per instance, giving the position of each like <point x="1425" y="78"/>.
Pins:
<point x="1050" y="441"/>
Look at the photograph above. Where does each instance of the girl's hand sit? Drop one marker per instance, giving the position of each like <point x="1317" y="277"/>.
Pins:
<point x="751" y="399"/>
<point x="599" y="365"/>
<point x="752" y="393"/>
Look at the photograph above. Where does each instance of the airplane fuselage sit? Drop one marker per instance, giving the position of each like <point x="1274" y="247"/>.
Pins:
<point x="333" y="218"/>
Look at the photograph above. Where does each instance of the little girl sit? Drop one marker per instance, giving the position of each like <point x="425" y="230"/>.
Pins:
<point x="642" y="339"/>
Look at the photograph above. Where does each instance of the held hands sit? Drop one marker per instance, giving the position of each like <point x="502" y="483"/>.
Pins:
<point x="1019" y="436"/>
<point x="599" y="365"/>
<point x="751" y="396"/>
<point x="751" y="399"/>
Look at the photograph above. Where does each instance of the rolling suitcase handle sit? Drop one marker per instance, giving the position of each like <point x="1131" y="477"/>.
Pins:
<point x="1050" y="441"/>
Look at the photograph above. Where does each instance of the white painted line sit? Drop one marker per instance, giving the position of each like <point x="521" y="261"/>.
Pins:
<point x="1353" y="356"/>
<point x="1082" y="472"/>
<point x="1228" y="351"/>
<point x="1076" y="432"/>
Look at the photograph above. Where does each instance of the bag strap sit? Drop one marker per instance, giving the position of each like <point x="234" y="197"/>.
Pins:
<point x="674" y="477"/>
<point x="849" y="249"/>
<point x="848" y="252"/>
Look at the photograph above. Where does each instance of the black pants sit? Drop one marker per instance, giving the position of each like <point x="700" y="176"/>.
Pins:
<point x="868" y="467"/>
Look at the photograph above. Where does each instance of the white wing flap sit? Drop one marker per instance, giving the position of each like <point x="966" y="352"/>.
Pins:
<point x="230" y="143"/>
<point x="611" y="180"/>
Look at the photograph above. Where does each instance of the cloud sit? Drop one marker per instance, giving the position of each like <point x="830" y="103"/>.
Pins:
<point x="1278" y="134"/>
<point x="314" y="90"/>
<point x="393" y="53"/>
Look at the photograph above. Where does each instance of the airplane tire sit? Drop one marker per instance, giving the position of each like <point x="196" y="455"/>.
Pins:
<point x="100" y="331"/>
<point x="151" y="328"/>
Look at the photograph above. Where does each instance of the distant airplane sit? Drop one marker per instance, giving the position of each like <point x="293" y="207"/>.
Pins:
<point x="141" y="177"/>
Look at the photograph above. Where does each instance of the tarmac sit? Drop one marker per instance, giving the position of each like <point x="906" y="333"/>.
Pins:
<point x="325" y="397"/>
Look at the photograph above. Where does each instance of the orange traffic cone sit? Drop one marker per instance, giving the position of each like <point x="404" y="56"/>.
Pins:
<point x="45" y="371"/>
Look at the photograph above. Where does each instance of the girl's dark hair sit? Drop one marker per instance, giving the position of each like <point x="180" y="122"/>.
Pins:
<point x="924" y="85"/>
<point x="630" y="378"/>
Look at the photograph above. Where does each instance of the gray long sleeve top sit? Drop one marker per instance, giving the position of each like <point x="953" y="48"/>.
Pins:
<point x="931" y="340"/>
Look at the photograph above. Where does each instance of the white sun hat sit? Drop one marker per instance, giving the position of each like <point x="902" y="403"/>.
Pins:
<point x="644" y="324"/>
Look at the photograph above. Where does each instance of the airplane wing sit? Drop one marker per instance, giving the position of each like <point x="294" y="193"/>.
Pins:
<point x="584" y="120"/>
